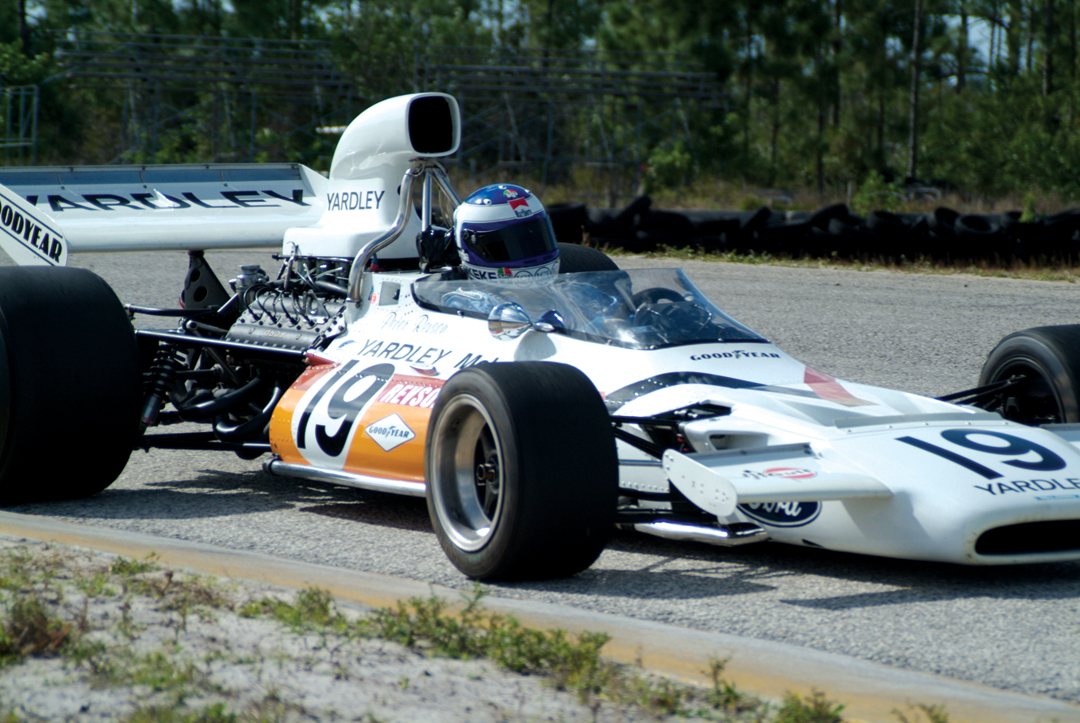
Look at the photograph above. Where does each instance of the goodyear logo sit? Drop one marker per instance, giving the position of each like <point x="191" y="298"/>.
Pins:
<point x="43" y="241"/>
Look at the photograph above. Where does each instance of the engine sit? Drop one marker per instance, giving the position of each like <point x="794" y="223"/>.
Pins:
<point x="304" y="309"/>
<point x="264" y="327"/>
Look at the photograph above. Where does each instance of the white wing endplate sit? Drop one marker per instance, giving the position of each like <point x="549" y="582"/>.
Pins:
<point x="717" y="482"/>
<point x="29" y="236"/>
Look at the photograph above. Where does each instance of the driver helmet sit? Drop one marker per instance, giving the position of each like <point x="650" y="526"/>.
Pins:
<point x="503" y="232"/>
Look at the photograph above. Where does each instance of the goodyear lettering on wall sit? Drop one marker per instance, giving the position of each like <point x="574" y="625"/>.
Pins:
<point x="45" y="242"/>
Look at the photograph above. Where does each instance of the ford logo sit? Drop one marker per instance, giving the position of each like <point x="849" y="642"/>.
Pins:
<point x="782" y="514"/>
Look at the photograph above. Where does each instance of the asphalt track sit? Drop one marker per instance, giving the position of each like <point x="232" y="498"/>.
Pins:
<point x="1014" y="629"/>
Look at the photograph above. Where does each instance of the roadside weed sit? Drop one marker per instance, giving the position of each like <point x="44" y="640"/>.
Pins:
<point x="28" y="627"/>
<point x="313" y="610"/>
<point x="815" y="708"/>
<point x="94" y="585"/>
<point x="216" y="713"/>
<point x="123" y="567"/>
<point x="933" y="713"/>
<point x="723" y="695"/>
<point x="136" y="640"/>
<point x="568" y="662"/>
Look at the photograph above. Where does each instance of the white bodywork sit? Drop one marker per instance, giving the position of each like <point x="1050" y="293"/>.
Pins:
<point x="810" y="459"/>
<point x="814" y="460"/>
<point x="216" y="206"/>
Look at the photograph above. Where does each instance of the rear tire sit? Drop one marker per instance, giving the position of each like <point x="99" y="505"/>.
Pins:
<point x="521" y="470"/>
<point x="69" y="384"/>
<point x="1049" y="357"/>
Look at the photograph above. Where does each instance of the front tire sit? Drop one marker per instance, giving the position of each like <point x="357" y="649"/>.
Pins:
<point x="1048" y="358"/>
<point x="69" y="384"/>
<point x="521" y="470"/>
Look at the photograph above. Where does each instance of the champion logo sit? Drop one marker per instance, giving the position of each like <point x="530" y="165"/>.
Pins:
<point x="790" y="473"/>
<point x="784" y="472"/>
<point x="390" y="432"/>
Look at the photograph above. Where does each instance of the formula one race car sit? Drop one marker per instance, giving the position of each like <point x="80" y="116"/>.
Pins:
<point x="535" y="393"/>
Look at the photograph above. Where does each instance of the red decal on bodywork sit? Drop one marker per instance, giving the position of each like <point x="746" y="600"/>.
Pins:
<point x="827" y="388"/>
<point x="408" y="391"/>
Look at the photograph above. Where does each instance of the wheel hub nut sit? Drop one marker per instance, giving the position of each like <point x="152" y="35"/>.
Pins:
<point x="486" y="472"/>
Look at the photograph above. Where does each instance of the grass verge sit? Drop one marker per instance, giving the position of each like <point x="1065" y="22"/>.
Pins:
<point x="152" y="645"/>
<point x="1038" y="270"/>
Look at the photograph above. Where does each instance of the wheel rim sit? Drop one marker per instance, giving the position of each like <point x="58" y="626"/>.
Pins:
<point x="1033" y="402"/>
<point x="468" y="481"/>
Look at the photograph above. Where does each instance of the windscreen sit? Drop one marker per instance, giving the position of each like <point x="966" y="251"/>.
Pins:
<point x="636" y="309"/>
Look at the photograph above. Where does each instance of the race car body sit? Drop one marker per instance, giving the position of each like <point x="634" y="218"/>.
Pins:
<point x="809" y="459"/>
<point x="534" y="415"/>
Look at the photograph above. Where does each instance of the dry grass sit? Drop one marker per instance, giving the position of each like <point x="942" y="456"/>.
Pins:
<point x="1039" y="270"/>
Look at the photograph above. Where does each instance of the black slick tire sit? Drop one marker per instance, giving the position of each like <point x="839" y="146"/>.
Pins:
<point x="69" y="385"/>
<point x="574" y="258"/>
<point x="521" y="470"/>
<point x="1048" y="357"/>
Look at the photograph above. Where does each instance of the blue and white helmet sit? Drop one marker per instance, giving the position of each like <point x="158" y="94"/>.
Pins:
<point x="503" y="232"/>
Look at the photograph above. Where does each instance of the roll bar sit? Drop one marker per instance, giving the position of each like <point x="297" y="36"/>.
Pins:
<point x="431" y="171"/>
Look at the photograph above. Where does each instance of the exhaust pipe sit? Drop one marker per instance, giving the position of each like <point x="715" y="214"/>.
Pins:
<point x="733" y="535"/>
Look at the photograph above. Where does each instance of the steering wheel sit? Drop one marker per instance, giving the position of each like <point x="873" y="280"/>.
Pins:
<point x="655" y="294"/>
<point x="667" y="315"/>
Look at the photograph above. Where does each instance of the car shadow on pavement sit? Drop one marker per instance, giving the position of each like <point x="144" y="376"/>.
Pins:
<point x="904" y="581"/>
<point x="207" y="494"/>
<point x="386" y="510"/>
<point x="634" y="565"/>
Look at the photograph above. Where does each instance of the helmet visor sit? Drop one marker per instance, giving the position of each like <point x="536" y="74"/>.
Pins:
<point x="519" y="241"/>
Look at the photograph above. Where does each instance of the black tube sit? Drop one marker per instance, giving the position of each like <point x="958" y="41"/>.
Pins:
<point x="332" y="288"/>
<point x="218" y="405"/>
<point x="251" y="428"/>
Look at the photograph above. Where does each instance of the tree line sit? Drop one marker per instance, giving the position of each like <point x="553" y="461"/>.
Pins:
<point x="979" y="95"/>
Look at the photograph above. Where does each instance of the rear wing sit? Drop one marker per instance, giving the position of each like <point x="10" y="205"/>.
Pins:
<point x="48" y="212"/>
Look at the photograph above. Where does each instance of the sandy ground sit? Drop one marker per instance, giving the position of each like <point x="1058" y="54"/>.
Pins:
<point x="158" y="656"/>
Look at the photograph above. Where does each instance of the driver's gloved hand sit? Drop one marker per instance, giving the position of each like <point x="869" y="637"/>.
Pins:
<point x="436" y="249"/>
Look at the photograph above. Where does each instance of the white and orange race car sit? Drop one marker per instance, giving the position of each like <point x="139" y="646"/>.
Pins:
<point x="534" y="417"/>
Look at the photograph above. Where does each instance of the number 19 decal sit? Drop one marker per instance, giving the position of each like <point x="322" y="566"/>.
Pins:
<point x="330" y="412"/>
<point x="1015" y="447"/>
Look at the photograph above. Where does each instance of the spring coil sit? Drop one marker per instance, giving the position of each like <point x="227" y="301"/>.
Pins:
<point x="158" y="381"/>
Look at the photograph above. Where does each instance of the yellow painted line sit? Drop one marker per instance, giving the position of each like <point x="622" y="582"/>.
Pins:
<point x="869" y="691"/>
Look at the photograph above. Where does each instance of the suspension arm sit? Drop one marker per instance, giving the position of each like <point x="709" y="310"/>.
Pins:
<point x="239" y="347"/>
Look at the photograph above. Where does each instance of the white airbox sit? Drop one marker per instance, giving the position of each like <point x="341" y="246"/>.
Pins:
<point x="363" y="194"/>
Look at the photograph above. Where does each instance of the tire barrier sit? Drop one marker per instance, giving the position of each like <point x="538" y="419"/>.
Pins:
<point x="834" y="231"/>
